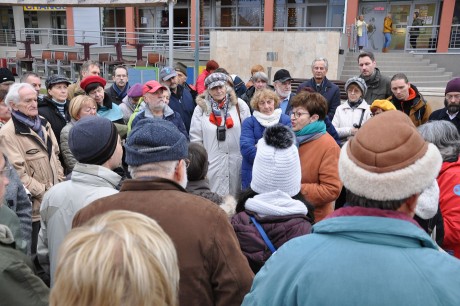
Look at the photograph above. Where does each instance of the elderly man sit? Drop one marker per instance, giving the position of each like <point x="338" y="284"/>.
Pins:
<point x="88" y="68"/>
<point x="155" y="106"/>
<point x="29" y="142"/>
<point x="282" y="84"/>
<point x="6" y="79"/>
<point x="409" y="100"/>
<point x="120" y="85"/>
<point x="213" y="270"/>
<point x="451" y="110"/>
<point x="320" y="83"/>
<point x="371" y="252"/>
<point x="19" y="284"/>
<point x="181" y="100"/>
<point x="378" y="85"/>
<point x="95" y="144"/>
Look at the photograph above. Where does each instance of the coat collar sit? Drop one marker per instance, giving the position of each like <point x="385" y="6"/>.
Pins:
<point x="150" y="183"/>
<point x="203" y="100"/>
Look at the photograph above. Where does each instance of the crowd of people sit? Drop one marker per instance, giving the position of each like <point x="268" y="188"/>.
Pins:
<point x="170" y="193"/>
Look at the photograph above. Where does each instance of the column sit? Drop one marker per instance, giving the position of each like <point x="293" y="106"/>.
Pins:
<point x="268" y="15"/>
<point x="70" y="26"/>
<point x="130" y="25"/>
<point x="445" y="25"/>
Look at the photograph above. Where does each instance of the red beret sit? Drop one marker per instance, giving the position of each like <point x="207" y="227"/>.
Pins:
<point x="92" y="79"/>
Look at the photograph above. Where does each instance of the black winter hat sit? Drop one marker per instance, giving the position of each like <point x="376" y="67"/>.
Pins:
<point x="56" y="79"/>
<point x="93" y="140"/>
<point x="6" y="75"/>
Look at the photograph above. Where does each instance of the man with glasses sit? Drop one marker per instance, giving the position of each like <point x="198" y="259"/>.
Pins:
<point x="212" y="267"/>
<point x="320" y="83"/>
<point x="408" y="99"/>
<point x="120" y="85"/>
<point x="452" y="104"/>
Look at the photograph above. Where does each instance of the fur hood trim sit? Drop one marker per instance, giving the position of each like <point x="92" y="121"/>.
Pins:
<point x="203" y="100"/>
<point x="228" y="205"/>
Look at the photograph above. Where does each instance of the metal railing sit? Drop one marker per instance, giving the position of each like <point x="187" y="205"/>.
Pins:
<point x="455" y="37"/>
<point x="7" y="38"/>
<point x="309" y="29"/>
<point x="158" y="38"/>
<point x="424" y="40"/>
<point x="421" y="38"/>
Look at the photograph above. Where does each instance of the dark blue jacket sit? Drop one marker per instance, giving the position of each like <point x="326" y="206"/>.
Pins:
<point x="174" y="118"/>
<point x="251" y="132"/>
<point x="183" y="103"/>
<point x="328" y="90"/>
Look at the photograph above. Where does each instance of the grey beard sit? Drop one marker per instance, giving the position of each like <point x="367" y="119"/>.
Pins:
<point x="453" y="108"/>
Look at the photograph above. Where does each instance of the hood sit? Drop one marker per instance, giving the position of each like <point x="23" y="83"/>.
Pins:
<point x="203" y="100"/>
<point x="375" y="226"/>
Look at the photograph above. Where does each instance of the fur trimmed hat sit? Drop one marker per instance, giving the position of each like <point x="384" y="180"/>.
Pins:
<point x="277" y="163"/>
<point x="388" y="159"/>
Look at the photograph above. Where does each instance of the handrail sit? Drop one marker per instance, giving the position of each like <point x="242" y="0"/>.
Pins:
<point x="157" y="37"/>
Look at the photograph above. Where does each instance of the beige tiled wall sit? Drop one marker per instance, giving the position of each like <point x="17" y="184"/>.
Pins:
<point x="238" y="51"/>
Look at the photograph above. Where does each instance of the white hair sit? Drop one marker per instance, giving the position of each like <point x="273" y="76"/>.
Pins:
<point x="13" y="93"/>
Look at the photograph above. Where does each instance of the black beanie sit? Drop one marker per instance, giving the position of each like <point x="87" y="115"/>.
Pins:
<point x="93" y="140"/>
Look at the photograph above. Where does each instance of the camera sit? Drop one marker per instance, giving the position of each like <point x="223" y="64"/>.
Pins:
<point x="221" y="133"/>
<point x="356" y="126"/>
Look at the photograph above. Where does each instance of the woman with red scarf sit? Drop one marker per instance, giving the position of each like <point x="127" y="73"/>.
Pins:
<point x="216" y="124"/>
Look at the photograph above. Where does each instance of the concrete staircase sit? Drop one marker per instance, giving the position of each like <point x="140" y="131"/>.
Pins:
<point x="419" y="71"/>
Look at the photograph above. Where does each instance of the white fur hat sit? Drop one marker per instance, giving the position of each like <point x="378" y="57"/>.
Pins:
<point x="277" y="163"/>
<point x="388" y="159"/>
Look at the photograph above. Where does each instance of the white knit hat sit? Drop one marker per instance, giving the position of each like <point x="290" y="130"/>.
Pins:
<point x="277" y="163"/>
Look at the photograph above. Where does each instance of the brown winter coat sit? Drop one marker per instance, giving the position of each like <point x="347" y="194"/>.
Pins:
<point x="35" y="160"/>
<point x="321" y="184"/>
<point x="213" y="271"/>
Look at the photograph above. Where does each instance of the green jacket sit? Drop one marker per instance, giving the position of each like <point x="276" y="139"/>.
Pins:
<point x="19" y="284"/>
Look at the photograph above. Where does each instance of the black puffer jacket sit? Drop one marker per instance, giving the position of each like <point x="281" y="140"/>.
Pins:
<point x="49" y="111"/>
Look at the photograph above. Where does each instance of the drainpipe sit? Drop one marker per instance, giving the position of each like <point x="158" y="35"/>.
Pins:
<point x="171" y="23"/>
<point x="197" y="38"/>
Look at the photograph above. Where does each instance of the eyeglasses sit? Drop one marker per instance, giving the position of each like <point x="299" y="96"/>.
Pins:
<point x="449" y="97"/>
<point x="297" y="115"/>
<point x="6" y="172"/>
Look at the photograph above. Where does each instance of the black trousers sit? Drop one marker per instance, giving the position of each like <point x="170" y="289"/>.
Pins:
<point x="413" y="41"/>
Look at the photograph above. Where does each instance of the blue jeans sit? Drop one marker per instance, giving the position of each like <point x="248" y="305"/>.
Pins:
<point x="387" y="42"/>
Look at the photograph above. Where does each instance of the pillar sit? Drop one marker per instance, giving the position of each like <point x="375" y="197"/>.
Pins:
<point x="70" y="26"/>
<point x="268" y="15"/>
<point x="445" y="25"/>
<point x="130" y="25"/>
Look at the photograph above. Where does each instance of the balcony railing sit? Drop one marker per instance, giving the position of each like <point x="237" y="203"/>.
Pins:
<point x="158" y="38"/>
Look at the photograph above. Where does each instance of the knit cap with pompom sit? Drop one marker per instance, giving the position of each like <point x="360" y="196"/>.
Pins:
<point x="277" y="163"/>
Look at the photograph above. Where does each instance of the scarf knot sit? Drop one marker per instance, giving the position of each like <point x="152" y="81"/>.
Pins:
<point x="219" y="110"/>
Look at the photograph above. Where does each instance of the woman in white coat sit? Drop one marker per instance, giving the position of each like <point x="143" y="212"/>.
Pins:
<point x="216" y="124"/>
<point x="352" y="114"/>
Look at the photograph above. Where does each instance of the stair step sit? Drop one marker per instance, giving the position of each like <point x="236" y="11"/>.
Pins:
<point x="412" y="78"/>
<point x="409" y="69"/>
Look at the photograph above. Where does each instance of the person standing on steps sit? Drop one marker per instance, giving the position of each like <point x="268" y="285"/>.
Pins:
<point x="387" y="31"/>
